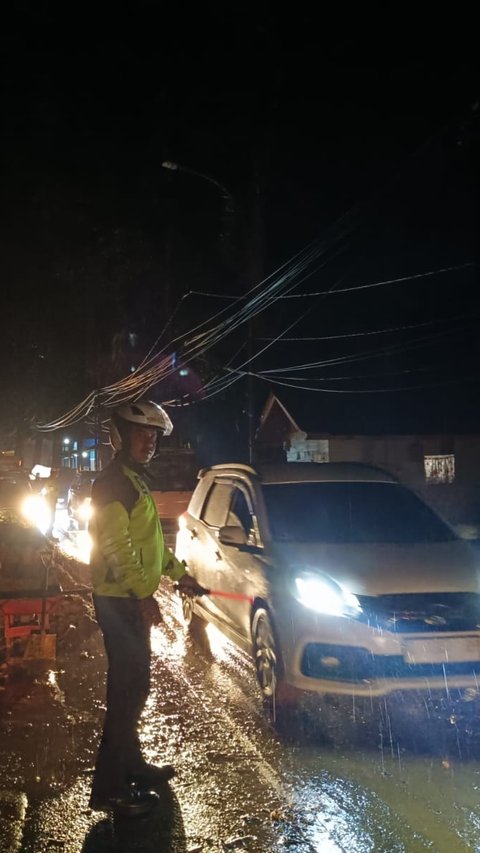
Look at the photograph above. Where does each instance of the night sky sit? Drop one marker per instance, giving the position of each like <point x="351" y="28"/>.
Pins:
<point x="363" y="144"/>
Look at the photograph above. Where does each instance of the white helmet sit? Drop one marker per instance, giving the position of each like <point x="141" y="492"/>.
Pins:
<point x="141" y="412"/>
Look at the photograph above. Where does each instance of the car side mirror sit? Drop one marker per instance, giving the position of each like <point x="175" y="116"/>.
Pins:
<point x="231" y="534"/>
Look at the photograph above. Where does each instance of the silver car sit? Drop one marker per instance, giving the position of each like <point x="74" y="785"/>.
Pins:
<point x="335" y="577"/>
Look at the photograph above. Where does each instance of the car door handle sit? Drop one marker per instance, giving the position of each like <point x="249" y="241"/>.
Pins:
<point x="218" y="556"/>
<point x="193" y="533"/>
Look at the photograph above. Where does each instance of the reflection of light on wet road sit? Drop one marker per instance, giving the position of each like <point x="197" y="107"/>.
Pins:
<point x="54" y="687"/>
<point x="321" y="841"/>
<point x="78" y="546"/>
<point x="167" y="647"/>
<point x="335" y="816"/>
<point x="74" y="543"/>
<point x="220" y="646"/>
<point x="235" y="776"/>
<point x="168" y="642"/>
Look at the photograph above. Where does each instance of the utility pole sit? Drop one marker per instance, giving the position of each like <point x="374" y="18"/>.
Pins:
<point x="97" y="430"/>
<point x="252" y="266"/>
<point x="255" y="238"/>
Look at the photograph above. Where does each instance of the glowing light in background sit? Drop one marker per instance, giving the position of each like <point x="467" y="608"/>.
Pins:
<point x="79" y="548"/>
<point x="35" y="510"/>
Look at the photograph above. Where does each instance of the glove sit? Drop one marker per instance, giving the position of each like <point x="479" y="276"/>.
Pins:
<point x="150" y="611"/>
<point x="187" y="585"/>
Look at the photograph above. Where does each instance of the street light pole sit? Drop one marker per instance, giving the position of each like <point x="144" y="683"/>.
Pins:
<point x="97" y="431"/>
<point x="253" y="266"/>
<point x="229" y="203"/>
<point x="226" y="195"/>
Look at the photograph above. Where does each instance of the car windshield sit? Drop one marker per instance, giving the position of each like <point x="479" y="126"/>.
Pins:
<point x="351" y="512"/>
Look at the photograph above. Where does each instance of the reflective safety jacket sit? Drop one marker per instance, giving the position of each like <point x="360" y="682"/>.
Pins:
<point x="128" y="554"/>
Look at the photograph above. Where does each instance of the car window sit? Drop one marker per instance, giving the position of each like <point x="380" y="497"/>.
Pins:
<point x="239" y="515"/>
<point x="351" y="512"/>
<point x="216" y="506"/>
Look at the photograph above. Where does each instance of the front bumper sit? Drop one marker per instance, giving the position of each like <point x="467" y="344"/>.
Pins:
<point x="347" y="669"/>
<point x="332" y="655"/>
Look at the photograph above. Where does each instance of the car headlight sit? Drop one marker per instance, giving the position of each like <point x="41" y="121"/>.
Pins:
<point x="323" y="595"/>
<point x="36" y="511"/>
<point x="85" y="509"/>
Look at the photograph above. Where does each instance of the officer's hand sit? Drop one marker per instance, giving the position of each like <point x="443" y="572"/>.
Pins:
<point x="150" y="610"/>
<point x="187" y="585"/>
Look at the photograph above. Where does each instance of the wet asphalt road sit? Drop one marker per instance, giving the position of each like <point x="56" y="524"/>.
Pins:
<point x="380" y="782"/>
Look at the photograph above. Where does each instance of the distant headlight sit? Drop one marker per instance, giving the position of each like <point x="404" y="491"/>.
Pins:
<point x="323" y="595"/>
<point x="85" y="510"/>
<point x="36" y="511"/>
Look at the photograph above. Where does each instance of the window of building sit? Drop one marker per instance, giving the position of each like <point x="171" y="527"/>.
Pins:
<point x="440" y="469"/>
<point x="308" y="450"/>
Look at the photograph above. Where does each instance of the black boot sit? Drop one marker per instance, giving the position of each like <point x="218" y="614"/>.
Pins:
<point x="130" y="803"/>
<point x="149" y="776"/>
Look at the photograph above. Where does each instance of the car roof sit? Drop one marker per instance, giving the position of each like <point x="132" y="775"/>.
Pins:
<point x="300" y="472"/>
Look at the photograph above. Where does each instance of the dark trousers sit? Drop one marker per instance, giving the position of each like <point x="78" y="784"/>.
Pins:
<point x="127" y="643"/>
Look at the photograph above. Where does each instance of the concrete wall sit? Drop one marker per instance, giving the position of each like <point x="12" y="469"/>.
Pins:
<point x="400" y="455"/>
<point x="404" y="456"/>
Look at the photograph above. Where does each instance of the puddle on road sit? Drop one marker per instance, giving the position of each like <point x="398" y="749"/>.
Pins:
<point x="390" y="783"/>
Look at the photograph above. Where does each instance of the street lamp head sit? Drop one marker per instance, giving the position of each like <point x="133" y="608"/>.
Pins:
<point x="230" y="204"/>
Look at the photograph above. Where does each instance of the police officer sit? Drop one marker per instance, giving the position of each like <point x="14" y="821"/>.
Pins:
<point x="128" y="558"/>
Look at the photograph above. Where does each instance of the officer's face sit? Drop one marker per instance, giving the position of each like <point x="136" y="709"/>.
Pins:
<point x="143" y="441"/>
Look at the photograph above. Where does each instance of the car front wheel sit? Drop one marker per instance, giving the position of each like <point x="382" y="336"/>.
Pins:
<point x="265" y="653"/>
<point x="187" y="609"/>
<point x="281" y="700"/>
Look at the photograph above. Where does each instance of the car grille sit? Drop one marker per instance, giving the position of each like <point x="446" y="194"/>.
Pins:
<point x="422" y="612"/>
<point x="349" y="663"/>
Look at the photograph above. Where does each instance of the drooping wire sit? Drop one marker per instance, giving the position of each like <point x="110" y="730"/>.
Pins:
<point x="134" y="385"/>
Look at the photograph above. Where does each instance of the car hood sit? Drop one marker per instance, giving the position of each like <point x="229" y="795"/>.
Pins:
<point x="381" y="569"/>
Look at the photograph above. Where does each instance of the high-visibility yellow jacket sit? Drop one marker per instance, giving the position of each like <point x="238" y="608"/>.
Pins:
<point x="128" y="554"/>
